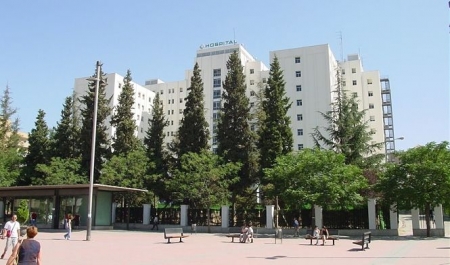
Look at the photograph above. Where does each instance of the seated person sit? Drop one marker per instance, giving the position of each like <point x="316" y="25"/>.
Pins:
<point x="250" y="232"/>
<point x="243" y="236"/>
<point x="316" y="234"/>
<point x="325" y="234"/>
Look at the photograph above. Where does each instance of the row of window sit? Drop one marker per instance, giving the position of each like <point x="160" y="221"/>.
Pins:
<point x="171" y="90"/>
<point x="354" y="82"/>
<point x="173" y="101"/>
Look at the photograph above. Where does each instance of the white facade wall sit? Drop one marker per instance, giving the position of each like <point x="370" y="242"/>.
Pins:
<point x="143" y="98"/>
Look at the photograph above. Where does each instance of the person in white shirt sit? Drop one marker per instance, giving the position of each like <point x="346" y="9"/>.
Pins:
<point x="14" y="227"/>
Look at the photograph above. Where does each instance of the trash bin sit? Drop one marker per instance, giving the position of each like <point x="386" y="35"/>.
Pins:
<point x="279" y="235"/>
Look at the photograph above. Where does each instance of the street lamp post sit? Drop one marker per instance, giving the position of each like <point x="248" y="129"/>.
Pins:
<point x="92" y="164"/>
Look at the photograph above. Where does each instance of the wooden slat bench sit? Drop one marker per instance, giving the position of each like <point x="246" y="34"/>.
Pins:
<point x="311" y="238"/>
<point x="365" y="240"/>
<point x="234" y="232"/>
<point x="174" y="233"/>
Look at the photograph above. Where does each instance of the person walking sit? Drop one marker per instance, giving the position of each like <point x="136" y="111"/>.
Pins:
<point x="68" y="226"/>
<point x="11" y="232"/>
<point x="155" y="223"/>
<point x="296" y="227"/>
<point x="27" y="250"/>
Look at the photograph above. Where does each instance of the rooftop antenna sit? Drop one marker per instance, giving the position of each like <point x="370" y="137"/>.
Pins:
<point x="341" y="46"/>
<point x="234" y="34"/>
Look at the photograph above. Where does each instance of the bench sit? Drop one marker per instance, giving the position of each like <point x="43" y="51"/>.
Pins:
<point x="366" y="239"/>
<point x="236" y="232"/>
<point x="174" y="233"/>
<point x="311" y="238"/>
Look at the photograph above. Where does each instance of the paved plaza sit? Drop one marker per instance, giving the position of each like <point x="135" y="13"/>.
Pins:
<point x="132" y="247"/>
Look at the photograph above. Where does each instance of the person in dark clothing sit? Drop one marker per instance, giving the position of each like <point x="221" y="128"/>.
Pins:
<point x="29" y="250"/>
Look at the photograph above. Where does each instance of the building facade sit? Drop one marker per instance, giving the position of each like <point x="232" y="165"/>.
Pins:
<point x="309" y="73"/>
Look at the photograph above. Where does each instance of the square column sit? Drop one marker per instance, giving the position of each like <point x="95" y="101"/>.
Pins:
<point x="438" y="217"/>
<point x="415" y="218"/>
<point x="113" y="212"/>
<point x="318" y="216"/>
<point x="371" y="203"/>
<point x="146" y="214"/>
<point x="184" y="215"/>
<point x="269" y="216"/>
<point x="393" y="218"/>
<point x="225" y="216"/>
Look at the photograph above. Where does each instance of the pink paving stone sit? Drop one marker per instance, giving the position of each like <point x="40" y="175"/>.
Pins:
<point x="126" y="247"/>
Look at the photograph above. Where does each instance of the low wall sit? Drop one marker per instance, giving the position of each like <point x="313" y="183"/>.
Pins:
<point x="437" y="232"/>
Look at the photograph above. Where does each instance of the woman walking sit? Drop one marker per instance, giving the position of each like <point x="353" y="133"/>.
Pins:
<point x="68" y="226"/>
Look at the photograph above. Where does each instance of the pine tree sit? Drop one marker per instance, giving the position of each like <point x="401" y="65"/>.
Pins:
<point x="125" y="139"/>
<point x="235" y="139"/>
<point x="275" y="135"/>
<point x="348" y="132"/>
<point x="154" y="145"/>
<point x="102" y="143"/>
<point x="65" y="140"/>
<point x="38" y="151"/>
<point x="193" y="133"/>
<point x="11" y="150"/>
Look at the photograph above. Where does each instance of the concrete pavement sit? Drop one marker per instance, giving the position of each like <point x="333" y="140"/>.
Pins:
<point x="126" y="247"/>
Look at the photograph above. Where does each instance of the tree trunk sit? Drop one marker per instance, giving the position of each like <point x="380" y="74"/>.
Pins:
<point x="427" y="218"/>
<point x="208" y="219"/>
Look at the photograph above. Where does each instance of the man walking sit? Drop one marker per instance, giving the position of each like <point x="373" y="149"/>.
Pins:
<point x="11" y="232"/>
<point x="155" y="223"/>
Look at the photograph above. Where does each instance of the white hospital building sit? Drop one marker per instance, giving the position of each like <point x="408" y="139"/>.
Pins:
<point x="310" y="76"/>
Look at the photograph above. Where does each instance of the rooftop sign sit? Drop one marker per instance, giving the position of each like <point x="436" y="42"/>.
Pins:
<point x="217" y="44"/>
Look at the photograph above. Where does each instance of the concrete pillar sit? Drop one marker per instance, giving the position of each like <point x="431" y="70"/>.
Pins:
<point x="146" y="214"/>
<point x="393" y="218"/>
<point x="113" y="212"/>
<point x="438" y="217"/>
<point x="270" y="209"/>
<point x="415" y="218"/>
<point x="2" y="209"/>
<point x="225" y="216"/>
<point x="184" y="215"/>
<point x="371" y="208"/>
<point x="318" y="216"/>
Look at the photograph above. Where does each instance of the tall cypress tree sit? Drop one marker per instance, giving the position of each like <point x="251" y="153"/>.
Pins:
<point x="154" y="144"/>
<point x="102" y="143"/>
<point x="235" y="139"/>
<point x="275" y="135"/>
<point x="125" y="139"/>
<point x="38" y="151"/>
<point x="348" y="131"/>
<point x="193" y="133"/>
<point x="65" y="140"/>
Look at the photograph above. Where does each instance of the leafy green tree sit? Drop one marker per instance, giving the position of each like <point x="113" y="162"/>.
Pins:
<point x="102" y="143"/>
<point x="38" y="151"/>
<point x="11" y="150"/>
<point x="123" y="119"/>
<point x="66" y="136"/>
<point x="154" y="145"/>
<point x="420" y="179"/>
<point x="348" y="132"/>
<point x="235" y="139"/>
<point x="193" y="133"/>
<point x="203" y="179"/>
<point x="316" y="177"/>
<point x="275" y="135"/>
<point x="61" y="171"/>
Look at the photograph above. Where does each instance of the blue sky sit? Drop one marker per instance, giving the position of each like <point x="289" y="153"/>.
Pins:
<point x="45" y="45"/>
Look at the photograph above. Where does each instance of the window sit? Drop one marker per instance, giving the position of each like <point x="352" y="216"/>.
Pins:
<point x="214" y="128"/>
<point x="299" y="132"/>
<point x="299" y="102"/>
<point x="370" y="93"/>
<point x="354" y="82"/>
<point x="371" y="106"/>
<point x="161" y="92"/>
<point x="217" y="82"/>
<point x="264" y="80"/>
<point x="160" y="102"/>
<point x="181" y="100"/>
<point x="139" y="95"/>
<point x="372" y="118"/>
<point x="297" y="59"/>
<point x="172" y="111"/>
<point x="216" y="105"/>
<point x="216" y="93"/>
<point x="214" y="140"/>
<point x="373" y="131"/>
<point x="181" y="89"/>
<point x="215" y="116"/>
<point x="299" y="117"/>
<point x="142" y="130"/>
<point x="369" y="81"/>
<point x="168" y="112"/>
<point x="217" y="72"/>
<point x="168" y="133"/>
<point x="298" y="73"/>
<point x="355" y="95"/>
<point x="343" y="71"/>
<point x="252" y="93"/>
<point x="344" y="83"/>
<point x="353" y="70"/>
<point x="173" y="90"/>
<point x="168" y="101"/>
<point x="139" y="106"/>
<point x="298" y="87"/>
<point x="252" y="104"/>
<point x="171" y="133"/>
<point x="142" y="118"/>
<point x="173" y="101"/>
<point x="170" y="90"/>
<point x="180" y="111"/>
<point x="299" y="146"/>
<point x="252" y="71"/>
<point x="252" y="82"/>
<point x="252" y="127"/>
